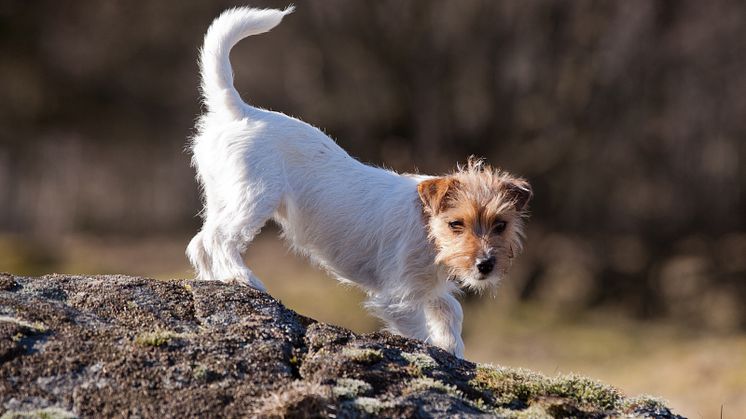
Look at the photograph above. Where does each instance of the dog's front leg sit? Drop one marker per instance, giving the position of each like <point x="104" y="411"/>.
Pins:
<point x="402" y="317"/>
<point x="444" y="318"/>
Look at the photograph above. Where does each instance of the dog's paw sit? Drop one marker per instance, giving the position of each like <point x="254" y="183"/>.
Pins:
<point x="252" y="282"/>
<point x="451" y="344"/>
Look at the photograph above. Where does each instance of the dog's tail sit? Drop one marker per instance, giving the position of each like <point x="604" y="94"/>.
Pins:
<point x="225" y="32"/>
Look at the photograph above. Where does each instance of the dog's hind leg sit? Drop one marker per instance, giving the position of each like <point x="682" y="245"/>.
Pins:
<point x="199" y="256"/>
<point x="216" y="252"/>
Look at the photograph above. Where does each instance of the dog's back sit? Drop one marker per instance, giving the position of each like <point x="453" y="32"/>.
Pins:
<point x="256" y="164"/>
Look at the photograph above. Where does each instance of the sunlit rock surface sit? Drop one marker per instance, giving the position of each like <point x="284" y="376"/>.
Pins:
<point x="102" y="346"/>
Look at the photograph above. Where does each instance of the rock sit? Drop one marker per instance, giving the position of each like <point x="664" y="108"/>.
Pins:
<point x="102" y="346"/>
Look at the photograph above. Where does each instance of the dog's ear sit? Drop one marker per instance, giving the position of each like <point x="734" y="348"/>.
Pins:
<point x="520" y="192"/>
<point x="434" y="192"/>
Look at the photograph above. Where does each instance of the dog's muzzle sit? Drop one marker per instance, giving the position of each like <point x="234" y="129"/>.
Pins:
<point x="486" y="265"/>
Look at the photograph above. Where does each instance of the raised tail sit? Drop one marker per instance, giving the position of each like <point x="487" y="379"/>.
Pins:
<point x="215" y="67"/>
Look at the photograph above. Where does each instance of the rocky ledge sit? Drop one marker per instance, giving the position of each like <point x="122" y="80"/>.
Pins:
<point x="103" y="346"/>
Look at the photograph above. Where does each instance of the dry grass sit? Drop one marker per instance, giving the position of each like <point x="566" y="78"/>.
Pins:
<point x="298" y="400"/>
<point x="696" y="373"/>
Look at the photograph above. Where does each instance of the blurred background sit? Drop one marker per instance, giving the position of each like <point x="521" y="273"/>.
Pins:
<point x="628" y="118"/>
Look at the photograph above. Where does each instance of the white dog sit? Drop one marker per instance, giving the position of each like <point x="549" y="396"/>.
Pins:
<point x="400" y="237"/>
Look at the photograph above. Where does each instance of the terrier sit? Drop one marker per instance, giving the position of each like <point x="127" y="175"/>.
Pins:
<point x="405" y="239"/>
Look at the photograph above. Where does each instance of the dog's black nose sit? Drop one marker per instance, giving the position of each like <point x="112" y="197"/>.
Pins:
<point x="485" y="266"/>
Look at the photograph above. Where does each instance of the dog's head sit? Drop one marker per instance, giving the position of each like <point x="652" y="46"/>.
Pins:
<point x="475" y="218"/>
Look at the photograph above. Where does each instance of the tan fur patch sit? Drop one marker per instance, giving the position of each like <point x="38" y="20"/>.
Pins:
<point x="433" y="192"/>
<point x="466" y="226"/>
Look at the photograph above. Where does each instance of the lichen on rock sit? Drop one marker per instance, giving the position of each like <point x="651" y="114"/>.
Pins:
<point x="99" y="346"/>
<point x="350" y="388"/>
<point x="47" y="413"/>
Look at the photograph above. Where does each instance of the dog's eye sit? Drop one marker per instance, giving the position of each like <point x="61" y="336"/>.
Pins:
<point x="457" y="225"/>
<point x="499" y="227"/>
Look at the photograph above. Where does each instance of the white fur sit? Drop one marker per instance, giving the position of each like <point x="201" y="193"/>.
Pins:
<point x="363" y="224"/>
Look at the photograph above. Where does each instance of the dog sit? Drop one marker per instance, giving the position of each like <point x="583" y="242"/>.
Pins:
<point x="406" y="239"/>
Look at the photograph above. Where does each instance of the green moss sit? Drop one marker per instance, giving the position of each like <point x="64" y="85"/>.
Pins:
<point x="349" y="388"/>
<point x="37" y="327"/>
<point x="532" y="412"/>
<point x="516" y="387"/>
<point x="431" y="384"/>
<point x="200" y="372"/>
<point x="644" y="403"/>
<point x="48" y="413"/>
<point x="370" y="405"/>
<point x="585" y="392"/>
<point x="157" y="338"/>
<point x="427" y="383"/>
<point x="294" y="361"/>
<point x="509" y="386"/>
<point x="363" y="355"/>
<point x="419" y="362"/>
<point x="479" y="404"/>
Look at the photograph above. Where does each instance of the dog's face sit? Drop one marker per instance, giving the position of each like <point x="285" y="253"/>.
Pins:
<point x="475" y="219"/>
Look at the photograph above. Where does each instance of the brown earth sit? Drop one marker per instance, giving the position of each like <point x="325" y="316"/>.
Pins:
<point x="115" y="346"/>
